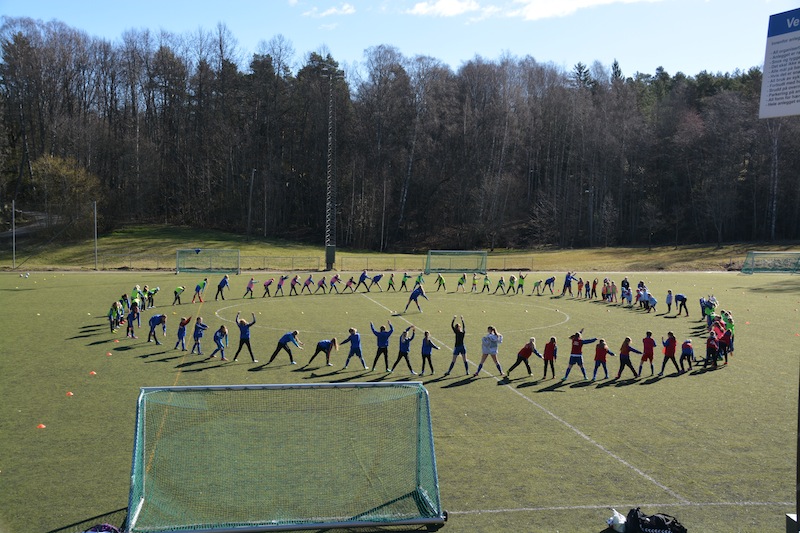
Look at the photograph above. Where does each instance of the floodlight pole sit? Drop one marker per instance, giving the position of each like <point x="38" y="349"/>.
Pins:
<point x="13" y="235"/>
<point x="330" y="193"/>
<point x="94" y="208"/>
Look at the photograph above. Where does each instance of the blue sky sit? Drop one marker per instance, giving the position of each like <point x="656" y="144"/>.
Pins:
<point x="679" y="35"/>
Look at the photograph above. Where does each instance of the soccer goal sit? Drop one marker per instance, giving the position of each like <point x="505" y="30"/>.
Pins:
<point x="257" y="458"/>
<point x="455" y="261"/>
<point x="781" y="262"/>
<point x="208" y="260"/>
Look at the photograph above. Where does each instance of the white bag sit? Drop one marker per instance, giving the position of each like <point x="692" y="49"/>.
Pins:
<point x="617" y="522"/>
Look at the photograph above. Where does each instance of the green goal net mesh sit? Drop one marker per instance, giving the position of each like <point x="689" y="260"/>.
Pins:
<point x="267" y="457"/>
<point x="455" y="261"/>
<point x="782" y="262"/>
<point x="207" y="260"/>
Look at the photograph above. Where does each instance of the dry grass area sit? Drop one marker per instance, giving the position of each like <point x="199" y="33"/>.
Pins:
<point x="154" y="247"/>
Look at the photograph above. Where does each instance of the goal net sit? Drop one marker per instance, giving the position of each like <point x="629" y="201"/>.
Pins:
<point x="455" y="261"/>
<point x="208" y="260"/>
<point x="283" y="457"/>
<point x="785" y="262"/>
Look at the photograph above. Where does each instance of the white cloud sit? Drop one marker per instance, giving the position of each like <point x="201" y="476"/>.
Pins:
<point x="524" y="9"/>
<point x="544" y="9"/>
<point x="345" y="9"/>
<point x="445" y="8"/>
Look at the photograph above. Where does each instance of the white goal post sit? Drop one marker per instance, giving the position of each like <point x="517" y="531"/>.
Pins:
<point x="464" y="261"/>
<point x="778" y="262"/>
<point x="208" y="260"/>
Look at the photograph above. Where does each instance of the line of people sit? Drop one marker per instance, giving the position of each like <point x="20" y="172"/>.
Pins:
<point x="515" y="285"/>
<point x="718" y="346"/>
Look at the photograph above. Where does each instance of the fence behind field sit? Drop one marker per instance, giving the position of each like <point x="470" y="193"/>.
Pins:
<point x="390" y="263"/>
<point x="268" y="263"/>
<point x="280" y="264"/>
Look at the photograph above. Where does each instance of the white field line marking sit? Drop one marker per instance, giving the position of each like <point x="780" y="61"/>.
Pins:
<point x="576" y="430"/>
<point x="602" y="448"/>
<point x="623" y="506"/>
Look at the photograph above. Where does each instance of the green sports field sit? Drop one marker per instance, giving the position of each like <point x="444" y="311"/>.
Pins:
<point x="716" y="449"/>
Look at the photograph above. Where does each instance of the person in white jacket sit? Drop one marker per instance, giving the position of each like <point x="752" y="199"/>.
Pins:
<point x="490" y="342"/>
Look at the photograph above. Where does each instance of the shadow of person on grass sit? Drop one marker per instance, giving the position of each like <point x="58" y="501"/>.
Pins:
<point x="95" y="343"/>
<point x="222" y="364"/>
<point x="556" y="386"/>
<point x="188" y="364"/>
<point x="163" y="359"/>
<point x="607" y="383"/>
<point x="82" y="336"/>
<point x="466" y="380"/>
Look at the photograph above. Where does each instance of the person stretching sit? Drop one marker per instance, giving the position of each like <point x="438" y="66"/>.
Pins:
<point x="383" y="344"/>
<point x="523" y="356"/>
<point x="283" y="344"/>
<point x="427" y="348"/>
<point x="244" y="336"/>
<point x="460" y="330"/>
<point x="404" y="346"/>
<point x="325" y="347"/>
<point x="576" y="353"/>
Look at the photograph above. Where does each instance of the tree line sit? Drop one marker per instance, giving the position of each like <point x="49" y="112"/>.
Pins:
<point x="508" y="152"/>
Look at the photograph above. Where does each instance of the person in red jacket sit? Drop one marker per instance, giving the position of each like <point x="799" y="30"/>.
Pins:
<point x="725" y="341"/>
<point x="523" y="356"/>
<point x="600" y="352"/>
<point x="576" y="353"/>
<point x="550" y="354"/>
<point x="648" y="348"/>
<point x="712" y="350"/>
<point x="670" y="345"/>
<point x="625" y="357"/>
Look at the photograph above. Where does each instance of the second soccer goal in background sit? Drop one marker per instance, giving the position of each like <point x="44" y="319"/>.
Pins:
<point x="466" y="261"/>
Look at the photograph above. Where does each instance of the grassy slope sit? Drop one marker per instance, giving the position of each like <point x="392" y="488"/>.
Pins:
<point x="164" y="240"/>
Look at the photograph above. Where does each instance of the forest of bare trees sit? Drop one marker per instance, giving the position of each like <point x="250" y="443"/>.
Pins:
<point x="510" y="152"/>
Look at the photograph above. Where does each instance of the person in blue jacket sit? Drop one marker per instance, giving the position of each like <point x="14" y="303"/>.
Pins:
<point x="405" y="345"/>
<point x="355" y="348"/>
<point x="283" y="344"/>
<point x="324" y="346"/>
<point x="154" y="322"/>
<point x="362" y="280"/>
<point x="221" y="287"/>
<point x="221" y="340"/>
<point x="376" y="280"/>
<point x="414" y="297"/>
<point x="427" y="348"/>
<point x="549" y="283"/>
<point x="383" y="343"/>
<point x="244" y="336"/>
<point x="184" y="321"/>
<point x="199" y="328"/>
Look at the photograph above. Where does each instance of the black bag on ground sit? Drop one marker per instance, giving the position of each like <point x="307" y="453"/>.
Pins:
<point x="638" y="522"/>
